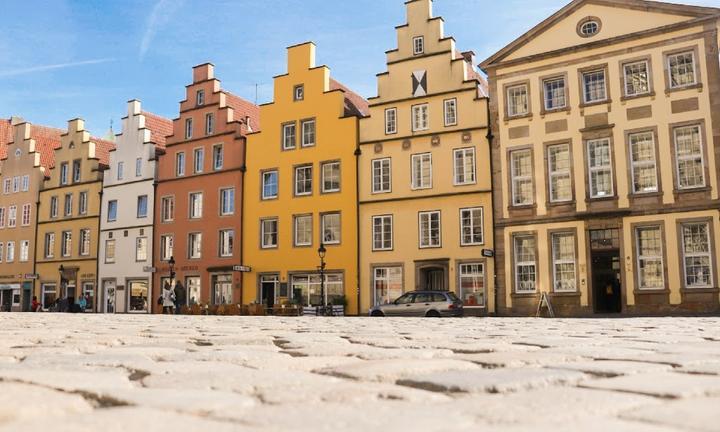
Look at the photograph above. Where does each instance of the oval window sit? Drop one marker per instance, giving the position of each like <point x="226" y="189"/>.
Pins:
<point x="589" y="28"/>
<point x="18" y="153"/>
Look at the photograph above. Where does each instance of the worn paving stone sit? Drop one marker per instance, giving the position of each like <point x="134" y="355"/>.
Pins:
<point x="392" y="370"/>
<point x="611" y="368"/>
<point x="695" y="414"/>
<point x="21" y="402"/>
<point x="661" y="384"/>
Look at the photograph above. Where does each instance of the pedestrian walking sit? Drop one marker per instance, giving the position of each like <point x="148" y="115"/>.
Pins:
<point x="180" y="297"/>
<point x="168" y="299"/>
<point x="82" y="303"/>
<point x="35" y="306"/>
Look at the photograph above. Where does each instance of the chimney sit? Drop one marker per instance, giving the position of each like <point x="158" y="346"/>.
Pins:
<point x="203" y="72"/>
<point x="15" y="120"/>
<point x="469" y="57"/>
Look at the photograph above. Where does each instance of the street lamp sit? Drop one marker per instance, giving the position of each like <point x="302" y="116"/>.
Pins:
<point x="321" y="253"/>
<point x="172" y="268"/>
<point x="63" y="287"/>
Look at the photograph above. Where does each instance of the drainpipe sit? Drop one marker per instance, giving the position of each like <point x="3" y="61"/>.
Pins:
<point x="151" y="295"/>
<point x="97" y="249"/>
<point x="358" y="152"/>
<point x="243" y="170"/>
<point x="37" y="227"/>
<point x="490" y="138"/>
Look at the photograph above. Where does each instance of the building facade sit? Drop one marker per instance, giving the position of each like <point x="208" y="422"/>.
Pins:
<point x="607" y="121"/>
<point x="128" y="203"/>
<point x="300" y="190"/>
<point x="424" y="176"/>
<point x="198" y="198"/>
<point x="23" y="150"/>
<point x="69" y="218"/>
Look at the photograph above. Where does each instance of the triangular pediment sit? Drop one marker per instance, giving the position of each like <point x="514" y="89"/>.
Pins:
<point x="614" y="18"/>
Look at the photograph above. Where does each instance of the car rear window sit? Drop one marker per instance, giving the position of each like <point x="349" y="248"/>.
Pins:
<point x="453" y="297"/>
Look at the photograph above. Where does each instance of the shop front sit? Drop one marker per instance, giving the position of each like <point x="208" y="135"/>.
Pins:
<point x="10" y="297"/>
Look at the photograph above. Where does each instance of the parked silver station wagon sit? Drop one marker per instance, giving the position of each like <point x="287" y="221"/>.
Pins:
<point x="422" y="304"/>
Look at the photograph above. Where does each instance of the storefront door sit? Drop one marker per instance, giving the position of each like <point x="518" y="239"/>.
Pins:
<point x="109" y="296"/>
<point x="138" y="292"/>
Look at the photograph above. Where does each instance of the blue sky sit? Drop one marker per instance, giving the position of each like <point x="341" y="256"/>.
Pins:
<point x="61" y="59"/>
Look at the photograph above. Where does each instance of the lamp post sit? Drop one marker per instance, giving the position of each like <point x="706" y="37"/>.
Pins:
<point x="172" y="268"/>
<point x="321" y="253"/>
<point x="63" y="284"/>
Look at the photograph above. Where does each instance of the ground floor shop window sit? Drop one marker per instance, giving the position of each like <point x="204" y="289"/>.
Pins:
<point x="49" y="295"/>
<point x="222" y="289"/>
<point x="109" y="290"/>
<point x="193" y="290"/>
<point x="387" y="284"/>
<point x="472" y="284"/>
<point x="138" y="291"/>
<point x="306" y="288"/>
<point x="89" y="295"/>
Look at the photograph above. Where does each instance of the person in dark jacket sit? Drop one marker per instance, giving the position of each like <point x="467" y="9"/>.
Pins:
<point x="180" y="297"/>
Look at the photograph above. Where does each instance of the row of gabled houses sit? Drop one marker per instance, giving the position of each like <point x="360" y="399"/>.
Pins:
<point x="582" y="171"/>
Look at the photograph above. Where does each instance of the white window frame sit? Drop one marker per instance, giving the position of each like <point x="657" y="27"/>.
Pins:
<point x="323" y="218"/>
<point x="84" y="242"/>
<point x="167" y="208"/>
<point x="24" y="251"/>
<point x="513" y="97"/>
<point x="420" y="117"/>
<point x="708" y="255"/>
<point x="265" y="183"/>
<point x="141" y="249"/>
<point x="227" y="206"/>
<point x="679" y="158"/>
<point x="556" y="262"/>
<point x="418" y="45"/>
<point x="390" y="121"/>
<point x="670" y="71"/>
<point x="468" y="176"/>
<point x="558" y="173"/>
<point x="382" y="274"/>
<point x="138" y="167"/>
<point x="464" y="273"/>
<point x="471" y="227"/>
<point x="515" y="178"/>
<point x="311" y="132"/>
<point x="49" y="245"/>
<point x="68" y="205"/>
<point x="425" y="241"/>
<point x="226" y="246"/>
<point x="109" y="259"/>
<point x="195" y="211"/>
<point x="627" y="82"/>
<point x="200" y="97"/>
<point x="518" y="264"/>
<point x="385" y="233"/>
<point x="209" y="123"/>
<point x="66" y="243"/>
<point x="306" y="192"/>
<point x="64" y="168"/>
<point x="180" y="164"/>
<point x="298" y="93"/>
<point x="139" y="200"/>
<point x="378" y="169"/>
<point x="595" y="169"/>
<point x="286" y="136"/>
<point x="218" y="157"/>
<point x="585" y="91"/>
<point x="167" y="242"/>
<point x="120" y="170"/>
<point x="640" y="164"/>
<point x="641" y="257"/>
<point x="417" y="179"/>
<point x="450" y="112"/>
<point x="12" y="216"/>
<point x="194" y="239"/>
<point x="188" y="128"/>
<point x="109" y="206"/>
<point x="550" y="95"/>
<point x="198" y="160"/>
<point x="297" y="231"/>
<point x="324" y="174"/>
<point x="263" y="232"/>
<point x="25" y="183"/>
<point x="54" y="206"/>
<point x="83" y="203"/>
<point x="26" y="213"/>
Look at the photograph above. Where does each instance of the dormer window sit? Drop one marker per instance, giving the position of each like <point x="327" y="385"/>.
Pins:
<point x="418" y="45"/>
<point x="299" y="92"/>
<point x="200" y="97"/>
<point x="589" y="27"/>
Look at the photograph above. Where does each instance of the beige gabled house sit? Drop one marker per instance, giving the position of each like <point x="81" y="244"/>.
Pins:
<point x="606" y="119"/>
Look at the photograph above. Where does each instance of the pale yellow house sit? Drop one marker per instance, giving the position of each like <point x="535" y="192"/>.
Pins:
<point x="424" y="172"/>
<point x="607" y="135"/>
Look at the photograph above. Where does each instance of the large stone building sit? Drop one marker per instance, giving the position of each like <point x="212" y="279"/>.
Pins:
<point x="424" y="173"/>
<point x="199" y="184"/>
<point x="128" y="202"/>
<point x="300" y="189"/>
<point x="607" y="124"/>
<point x="69" y="217"/>
<point x="24" y="152"/>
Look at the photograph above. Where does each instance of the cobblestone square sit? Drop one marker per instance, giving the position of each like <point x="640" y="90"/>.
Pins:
<point x="125" y="372"/>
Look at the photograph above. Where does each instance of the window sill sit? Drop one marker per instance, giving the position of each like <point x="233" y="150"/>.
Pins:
<point x="591" y="104"/>
<point x="691" y="190"/>
<point x="522" y="207"/>
<point x="686" y="290"/>
<point x="698" y="86"/>
<point x="565" y="294"/>
<point x="654" y="291"/>
<point x="601" y="199"/>
<point x="508" y="118"/>
<point x="570" y="203"/>
<point x="525" y="295"/>
<point x="638" y="96"/>
<point x="555" y="111"/>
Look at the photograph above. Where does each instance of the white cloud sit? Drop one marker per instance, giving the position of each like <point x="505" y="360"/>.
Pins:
<point x="160" y="15"/>
<point x="44" y="68"/>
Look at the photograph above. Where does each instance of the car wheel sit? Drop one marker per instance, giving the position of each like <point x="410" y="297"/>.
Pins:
<point x="433" y="314"/>
<point x="377" y="313"/>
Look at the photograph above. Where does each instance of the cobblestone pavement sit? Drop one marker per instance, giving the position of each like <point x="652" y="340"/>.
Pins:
<point x="116" y="373"/>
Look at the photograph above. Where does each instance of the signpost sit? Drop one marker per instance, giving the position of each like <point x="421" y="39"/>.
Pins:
<point x="488" y="253"/>
<point x="148" y="269"/>
<point x="242" y="268"/>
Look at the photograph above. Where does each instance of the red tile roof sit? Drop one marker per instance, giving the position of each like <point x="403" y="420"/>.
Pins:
<point x="47" y="139"/>
<point x="472" y="73"/>
<point x="102" y="150"/>
<point x="354" y="103"/>
<point x="160" y="128"/>
<point x="242" y="109"/>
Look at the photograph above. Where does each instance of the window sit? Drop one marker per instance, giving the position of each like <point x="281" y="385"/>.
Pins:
<point x="141" y="244"/>
<point x="227" y="201"/>
<point x="209" y="123"/>
<point x="25" y="221"/>
<point x="138" y="167"/>
<point x="64" y="173"/>
<point x="66" y="245"/>
<point x="330" y="228"/>
<point x="422" y="171"/>
<point x="554" y="94"/>
<point x="382" y="232"/>
<point x="16" y="184"/>
<point x="387" y="284"/>
<point x="6" y="186"/>
<point x="637" y="78"/>
<point x="600" y="168"/>
<point x="194" y="245"/>
<point x="464" y="166"/>
<point x="193" y="287"/>
<point x="112" y="211"/>
<point x="650" y="258"/>
<point x="166" y="247"/>
<point x="525" y="265"/>
<point x="217" y="157"/>
<point x="298" y="92"/>
<point x="450" y="112"/>
<point x="24" y="250"/>
<point x="381" y="177"/>
<point x="83" y="203"/>
<point x="179" y="164"/>
<point x="471" y="226"/>
<point x="305" y="288"/>
<point x="53" y="207"/>
<point x="198" y="160"/>
<point x="594" y="86"/>
<point x="390" y="121"/>
<point x="420" y="118"/>
<point x="188" y="128"/>
<point x="142" y="206"/>
<point x="76" y="171"/>
<point x="589" y="28"/>
<point x="559" y="171"/>
<point x="2" y="217"/>
<point x="642" y="158"/>
<point x="49" y="250"/>
<point x="517" y="100"/>
<point x="288" y="136"/>
<point x="697" y="255"/>
<point x="68" y="208"/>
<point x="196" y="205"/>
<point x="84" y="242"/>
<point x="110" y="251"/>
<point x="12" y="216"/>
<point x="429" y="227"/>
<point x="120" y="170"/>
<point x="331" y="177"/>
<point x="521" y="176"/>
<point x="418" y="45"/>
<point x="226" y="243"/>
<point x="308" y="133"/>
<point x="2" y="250"/>
<point x="269" y="233"/>
<point x="49" y="295"/>
<point x="269" y="184"/>
<point x="200" y="97"/>
<point x="167" y="208"/>
<point x="681" y="68"/>
<point x="563" y="259"/>
<point x="472" y="284"/>
<point x="689" y="157"/>
<point x="303" y="230"/>
<point x="303" y="180"/>
<point x="25" y="183"/>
